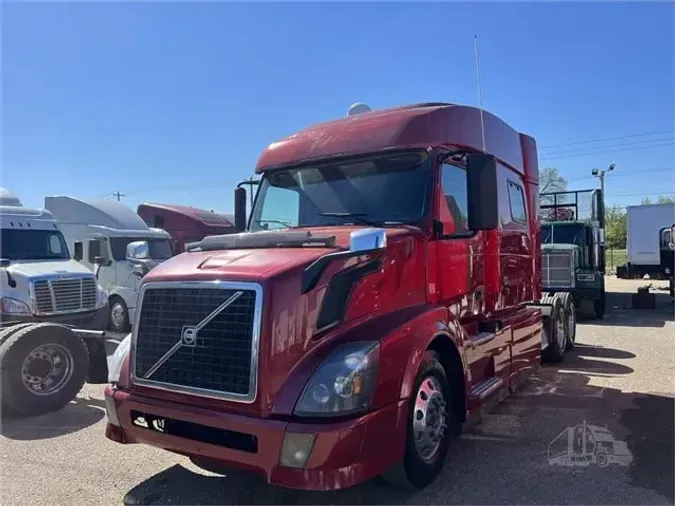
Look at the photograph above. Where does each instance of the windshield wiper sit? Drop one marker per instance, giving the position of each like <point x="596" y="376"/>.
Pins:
<point x="356" y="217"/>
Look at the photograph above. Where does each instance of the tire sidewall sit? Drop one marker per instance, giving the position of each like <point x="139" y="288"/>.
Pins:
<point x="15" y="395"/>
<point x="419" y="472"/>
<point x="118" y="301"/>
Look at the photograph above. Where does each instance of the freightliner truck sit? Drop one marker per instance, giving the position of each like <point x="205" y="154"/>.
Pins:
<point x="53" y="313"/>
<point x="573" y="250"/>
<point x="386" y="291"/>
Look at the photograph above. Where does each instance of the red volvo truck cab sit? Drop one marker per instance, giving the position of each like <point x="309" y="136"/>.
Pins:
<point x="387" y="289"/>
<point x="185" y="224"/>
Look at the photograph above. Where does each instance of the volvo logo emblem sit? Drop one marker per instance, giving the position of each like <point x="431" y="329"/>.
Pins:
<point x="189" y="336"/>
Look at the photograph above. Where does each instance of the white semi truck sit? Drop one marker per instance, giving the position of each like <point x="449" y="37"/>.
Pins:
<point x="52" y="313"/>
<point x="102" y="229"/>
<point x="644" y="224"/>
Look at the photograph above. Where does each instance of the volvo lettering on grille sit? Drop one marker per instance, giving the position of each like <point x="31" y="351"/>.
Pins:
<point x="189" y="335"/>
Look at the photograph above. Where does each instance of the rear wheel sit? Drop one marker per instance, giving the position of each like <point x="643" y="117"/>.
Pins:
<point x="567" y="302"/>
<point x="430" y="412"/>
<point x="555" y="327"/>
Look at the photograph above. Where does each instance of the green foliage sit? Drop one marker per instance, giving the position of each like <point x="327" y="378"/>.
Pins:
<point x="661" y="200"/>
<point x="615" y="228"/>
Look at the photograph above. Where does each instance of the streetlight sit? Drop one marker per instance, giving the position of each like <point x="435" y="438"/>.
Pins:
<point x="600" y="174"/>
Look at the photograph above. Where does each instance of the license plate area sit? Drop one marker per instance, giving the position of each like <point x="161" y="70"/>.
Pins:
<point x="196" y="432"/>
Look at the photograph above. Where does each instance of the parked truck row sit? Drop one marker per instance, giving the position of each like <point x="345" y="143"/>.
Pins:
<point x="69" y="272"/>
<point x="386" y="288"/>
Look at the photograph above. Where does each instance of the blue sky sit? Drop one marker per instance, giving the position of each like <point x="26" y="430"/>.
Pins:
<point x="173" y="102"/>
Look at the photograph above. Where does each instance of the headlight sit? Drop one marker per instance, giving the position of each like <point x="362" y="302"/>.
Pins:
<point x="101" y="297"/>
<point x="115" y="362"/>
<point x="14" y="306"/>
<point x="343" y="384"/>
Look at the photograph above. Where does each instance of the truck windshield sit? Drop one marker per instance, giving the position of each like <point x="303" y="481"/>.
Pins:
<point x="382" y="189"/>
<point x="159" y="249"/>
<point x="562" y="234"/>
<point x="33" y="245"/>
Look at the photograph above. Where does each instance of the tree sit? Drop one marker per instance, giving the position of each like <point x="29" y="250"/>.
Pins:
<point x="615" y="228"/>
<point x="550" y="180"/>
<point x="661" y="200"/>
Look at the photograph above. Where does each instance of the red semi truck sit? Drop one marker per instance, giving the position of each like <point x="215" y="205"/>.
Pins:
<point x="387" y="290"/>
<point x="185" y="224"/>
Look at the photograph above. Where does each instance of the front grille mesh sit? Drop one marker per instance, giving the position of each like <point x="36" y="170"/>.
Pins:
<point x="558" y="269"/>
<point x="221" y="360"/>
<point x="64" y="295"/>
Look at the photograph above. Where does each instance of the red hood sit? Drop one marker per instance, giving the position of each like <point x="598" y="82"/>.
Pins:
<point x="252" y="264"/>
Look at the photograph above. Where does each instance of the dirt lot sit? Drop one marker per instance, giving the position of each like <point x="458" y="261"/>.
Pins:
<point x="620" y="376"/>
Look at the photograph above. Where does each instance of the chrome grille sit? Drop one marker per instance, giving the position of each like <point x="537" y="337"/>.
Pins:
<point x="220" y="360"/>
<point x="53" y="296"/>
<point x="558" y="268"/>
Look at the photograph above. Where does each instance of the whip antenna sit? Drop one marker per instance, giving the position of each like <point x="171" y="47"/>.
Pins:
<point x="480" y="96"/>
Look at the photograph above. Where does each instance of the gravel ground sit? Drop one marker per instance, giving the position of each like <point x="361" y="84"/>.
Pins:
<point x="620" y="376"/>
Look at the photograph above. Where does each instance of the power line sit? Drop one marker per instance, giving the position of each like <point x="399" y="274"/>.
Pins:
<point x="607" y="139"/>
<point x="607" y="146"/>
<point x="606" y="152"/>
<point x="631" y="173"/>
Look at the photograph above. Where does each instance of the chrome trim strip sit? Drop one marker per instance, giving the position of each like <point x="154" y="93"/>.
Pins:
<point x="255" y="339"/>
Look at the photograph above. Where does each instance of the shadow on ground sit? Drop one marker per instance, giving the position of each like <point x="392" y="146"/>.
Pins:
<point x="502" y="460"/>
<point x="76" y="415"/>
<point x="619" y="311"/>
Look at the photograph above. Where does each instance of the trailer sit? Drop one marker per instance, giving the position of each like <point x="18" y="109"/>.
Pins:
<point x="644" y="225"/>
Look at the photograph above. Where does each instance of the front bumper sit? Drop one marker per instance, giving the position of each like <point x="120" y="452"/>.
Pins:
<point x="344" y="453"/>
<point x="91" y="320"/>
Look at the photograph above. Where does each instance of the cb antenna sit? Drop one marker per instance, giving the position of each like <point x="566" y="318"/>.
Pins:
<point x="480" y="96"/>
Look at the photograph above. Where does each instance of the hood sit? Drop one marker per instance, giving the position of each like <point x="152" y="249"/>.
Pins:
<point x="559" y="247"/>
<point x="254" y="264"/>
<point x="37" y="268"/>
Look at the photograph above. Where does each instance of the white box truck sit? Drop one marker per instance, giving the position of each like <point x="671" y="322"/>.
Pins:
<point x="52" y="314"/>
<point x="644" y="224"/>
<point x="104" y="228"/>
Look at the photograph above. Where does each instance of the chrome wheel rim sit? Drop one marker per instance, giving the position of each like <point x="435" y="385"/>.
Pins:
<point x="429" y="419"/>
<point x="47" y="369"/>
<point x="571" y="321"/>
<point x="117" y="314"/>
<point x="560" y="336"/>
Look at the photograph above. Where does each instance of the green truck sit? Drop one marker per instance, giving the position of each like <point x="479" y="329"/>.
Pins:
<point x="573" y="249"/>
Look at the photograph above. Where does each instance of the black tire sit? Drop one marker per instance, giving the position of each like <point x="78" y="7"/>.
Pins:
<point x="554" y="324"/>
<point x="122" y="327"/>
<point x="414" y="472"/>
<point x="567" y="302"/>
<point x="8" y="331"/>
<point x="16" y="395"/>
<point x="98" y="362"/>
<point x="599" y="307"/>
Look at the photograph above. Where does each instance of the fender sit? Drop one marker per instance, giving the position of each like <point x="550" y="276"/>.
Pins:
<point x="401" y="333"/>
<point x="128" y="295"/>
<point x="438" y="322"/>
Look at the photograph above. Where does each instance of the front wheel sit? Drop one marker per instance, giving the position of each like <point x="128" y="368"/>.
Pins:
<point x="599" y="307"/>
<point x="430" y="413"/>
<point x="119" y="315"/>
<point x="555" y="327"/>
<point x="43" y="368"/>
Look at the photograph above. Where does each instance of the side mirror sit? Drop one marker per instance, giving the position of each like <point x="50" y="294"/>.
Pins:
<point x="367" y="240"/>
<point x="138" y="250"/>
<point x="482" y="192"/>
<point x="99" y="261"/>
<point x="78" y="251"/>
<point x="239" y="210"/>
<point x="4" y="262"/>
<point x="671" y="244"/>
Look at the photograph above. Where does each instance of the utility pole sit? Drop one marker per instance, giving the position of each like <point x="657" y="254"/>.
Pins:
<point x="118" y="195"/>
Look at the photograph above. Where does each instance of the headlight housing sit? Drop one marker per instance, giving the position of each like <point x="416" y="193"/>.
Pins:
<point x="343" y="384"/>
<point x="117" y="360"/>
<point x="10" y="305"/>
